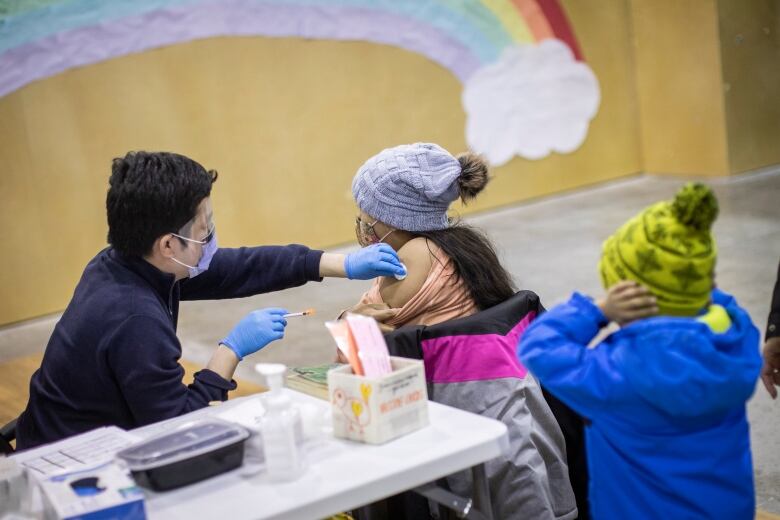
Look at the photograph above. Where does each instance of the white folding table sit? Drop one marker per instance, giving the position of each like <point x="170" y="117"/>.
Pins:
<point x="341" y="475"/>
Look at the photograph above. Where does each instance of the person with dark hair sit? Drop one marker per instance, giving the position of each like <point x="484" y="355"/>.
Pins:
<point x="456" y="291"/>
<point x="403" y="195"/>
<point x="113" y="358"/>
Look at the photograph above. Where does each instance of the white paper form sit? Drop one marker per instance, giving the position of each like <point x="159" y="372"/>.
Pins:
<point x="82" y="451"/>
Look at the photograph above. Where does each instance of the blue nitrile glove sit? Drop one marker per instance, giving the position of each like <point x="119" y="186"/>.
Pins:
<point x="372" y="261"/>
<point x="255" y="331"/>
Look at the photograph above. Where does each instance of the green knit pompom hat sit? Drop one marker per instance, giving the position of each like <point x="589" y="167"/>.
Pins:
<point x="669" y="249"/>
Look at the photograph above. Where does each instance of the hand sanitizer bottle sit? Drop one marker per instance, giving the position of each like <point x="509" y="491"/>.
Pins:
<point x="281" y="427"/>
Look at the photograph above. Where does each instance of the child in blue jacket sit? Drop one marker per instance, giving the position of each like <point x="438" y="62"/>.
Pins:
<point x="664" y="396"/>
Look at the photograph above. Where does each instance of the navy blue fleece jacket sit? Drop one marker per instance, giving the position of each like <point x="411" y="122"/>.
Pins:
<point x="113" y="358"/>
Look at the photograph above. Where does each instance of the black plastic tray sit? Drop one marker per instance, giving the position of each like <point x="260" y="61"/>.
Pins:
<point x="192" y="470"/>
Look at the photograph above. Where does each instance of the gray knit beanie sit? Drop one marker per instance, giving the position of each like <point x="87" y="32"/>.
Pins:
<point x="409" y="187"/>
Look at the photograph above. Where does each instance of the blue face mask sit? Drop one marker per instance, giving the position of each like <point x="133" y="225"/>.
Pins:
<point x="209" y="250"/>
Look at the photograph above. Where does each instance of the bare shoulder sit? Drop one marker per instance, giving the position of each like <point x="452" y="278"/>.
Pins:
<point x="417" y="250"/>
<point x="417" y="257"/>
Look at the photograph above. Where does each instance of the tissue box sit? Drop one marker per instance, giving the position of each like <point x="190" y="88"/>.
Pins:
<point x="378" y="409"/>
<point x="105" y="491"/>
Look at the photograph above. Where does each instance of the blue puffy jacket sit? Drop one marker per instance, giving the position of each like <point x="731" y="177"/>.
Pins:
<point x="668" y="435"/>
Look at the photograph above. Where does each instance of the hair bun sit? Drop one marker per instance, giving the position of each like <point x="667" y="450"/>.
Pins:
<point x="473" y="175"/>
<point x="695" y="206"/>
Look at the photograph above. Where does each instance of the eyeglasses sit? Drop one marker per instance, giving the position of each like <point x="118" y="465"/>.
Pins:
<point x="203" y="242"/>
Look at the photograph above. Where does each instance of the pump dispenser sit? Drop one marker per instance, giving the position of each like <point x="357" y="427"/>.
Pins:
<point x="280" y="426"/>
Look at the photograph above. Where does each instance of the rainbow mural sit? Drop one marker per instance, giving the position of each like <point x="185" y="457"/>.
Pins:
<point x="480" y="41"/>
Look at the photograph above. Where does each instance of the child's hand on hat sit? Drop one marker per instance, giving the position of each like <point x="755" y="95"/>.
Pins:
<point x="627" y="301"/>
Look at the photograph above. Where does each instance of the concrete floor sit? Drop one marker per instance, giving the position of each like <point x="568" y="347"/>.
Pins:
<point x="552" y="247"/>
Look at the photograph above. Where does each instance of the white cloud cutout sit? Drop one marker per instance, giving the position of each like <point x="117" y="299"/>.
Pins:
<point x="536" y="99"/>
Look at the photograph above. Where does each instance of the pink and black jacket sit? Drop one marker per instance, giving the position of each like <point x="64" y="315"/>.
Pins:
<point x="471" y="364"/>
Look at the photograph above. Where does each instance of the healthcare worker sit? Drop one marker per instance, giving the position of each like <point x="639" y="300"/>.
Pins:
<point x="113" y="358"/>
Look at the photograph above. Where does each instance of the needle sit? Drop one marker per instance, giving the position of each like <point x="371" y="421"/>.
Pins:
<point x="307" y="312"/>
